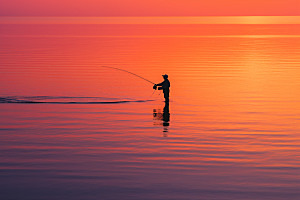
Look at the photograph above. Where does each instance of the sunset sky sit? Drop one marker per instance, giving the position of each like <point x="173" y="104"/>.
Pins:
<point x="120" y="8"/>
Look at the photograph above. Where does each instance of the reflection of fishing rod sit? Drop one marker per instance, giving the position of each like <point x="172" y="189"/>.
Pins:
<point x="129" y="73"/>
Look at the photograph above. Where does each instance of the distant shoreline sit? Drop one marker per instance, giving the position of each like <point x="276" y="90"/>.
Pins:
<point x="154" y="20"/>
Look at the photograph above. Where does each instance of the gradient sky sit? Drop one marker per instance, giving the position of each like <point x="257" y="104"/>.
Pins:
<point x="100" y="8"/>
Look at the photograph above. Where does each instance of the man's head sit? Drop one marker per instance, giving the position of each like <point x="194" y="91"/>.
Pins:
<point x="165" y="76"/>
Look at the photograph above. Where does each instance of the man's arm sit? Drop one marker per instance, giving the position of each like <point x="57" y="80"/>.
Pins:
<point x="160" y="84"/>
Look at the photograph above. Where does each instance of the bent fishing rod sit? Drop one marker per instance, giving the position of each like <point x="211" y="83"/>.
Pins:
<point x="129" y="73"/>
<point x="134" y="75"/>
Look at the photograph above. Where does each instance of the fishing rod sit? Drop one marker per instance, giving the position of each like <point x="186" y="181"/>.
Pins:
<point x="134" y="75"/>
<point x="129" y="73"/>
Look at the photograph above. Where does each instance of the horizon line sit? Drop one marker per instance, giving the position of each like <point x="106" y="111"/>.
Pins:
<point x="154" y="20"/>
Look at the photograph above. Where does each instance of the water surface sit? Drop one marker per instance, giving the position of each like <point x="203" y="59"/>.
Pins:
<point x="71" y="129"/>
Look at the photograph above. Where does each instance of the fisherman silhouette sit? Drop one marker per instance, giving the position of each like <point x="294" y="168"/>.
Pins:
<point x="165" y="87"/>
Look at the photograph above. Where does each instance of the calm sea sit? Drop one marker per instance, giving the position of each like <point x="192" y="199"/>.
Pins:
<point x="72" y="129"/>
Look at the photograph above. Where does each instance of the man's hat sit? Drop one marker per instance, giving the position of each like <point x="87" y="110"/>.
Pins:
<point x="165" y="75"/>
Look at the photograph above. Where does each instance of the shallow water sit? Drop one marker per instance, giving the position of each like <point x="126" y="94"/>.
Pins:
<point x="71" y="129"/>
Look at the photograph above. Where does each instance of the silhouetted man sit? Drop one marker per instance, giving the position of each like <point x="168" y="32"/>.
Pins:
<point x="165" y="86"/>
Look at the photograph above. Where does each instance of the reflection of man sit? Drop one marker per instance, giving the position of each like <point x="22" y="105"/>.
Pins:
<point x="166" y="114"/>
<point x="164" y="117"/>
<point x="165" y="86"/>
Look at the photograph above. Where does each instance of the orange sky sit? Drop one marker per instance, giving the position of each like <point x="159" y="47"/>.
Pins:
<point x="149" y="8"/>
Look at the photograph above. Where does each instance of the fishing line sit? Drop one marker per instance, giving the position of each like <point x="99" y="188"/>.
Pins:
<point x="152" y="94"/>
<point x="158" y="95"/>
<point x="130" y="73"/>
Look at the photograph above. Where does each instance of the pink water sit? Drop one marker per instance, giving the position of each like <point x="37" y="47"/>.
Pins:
<point x="231" y="130"/>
